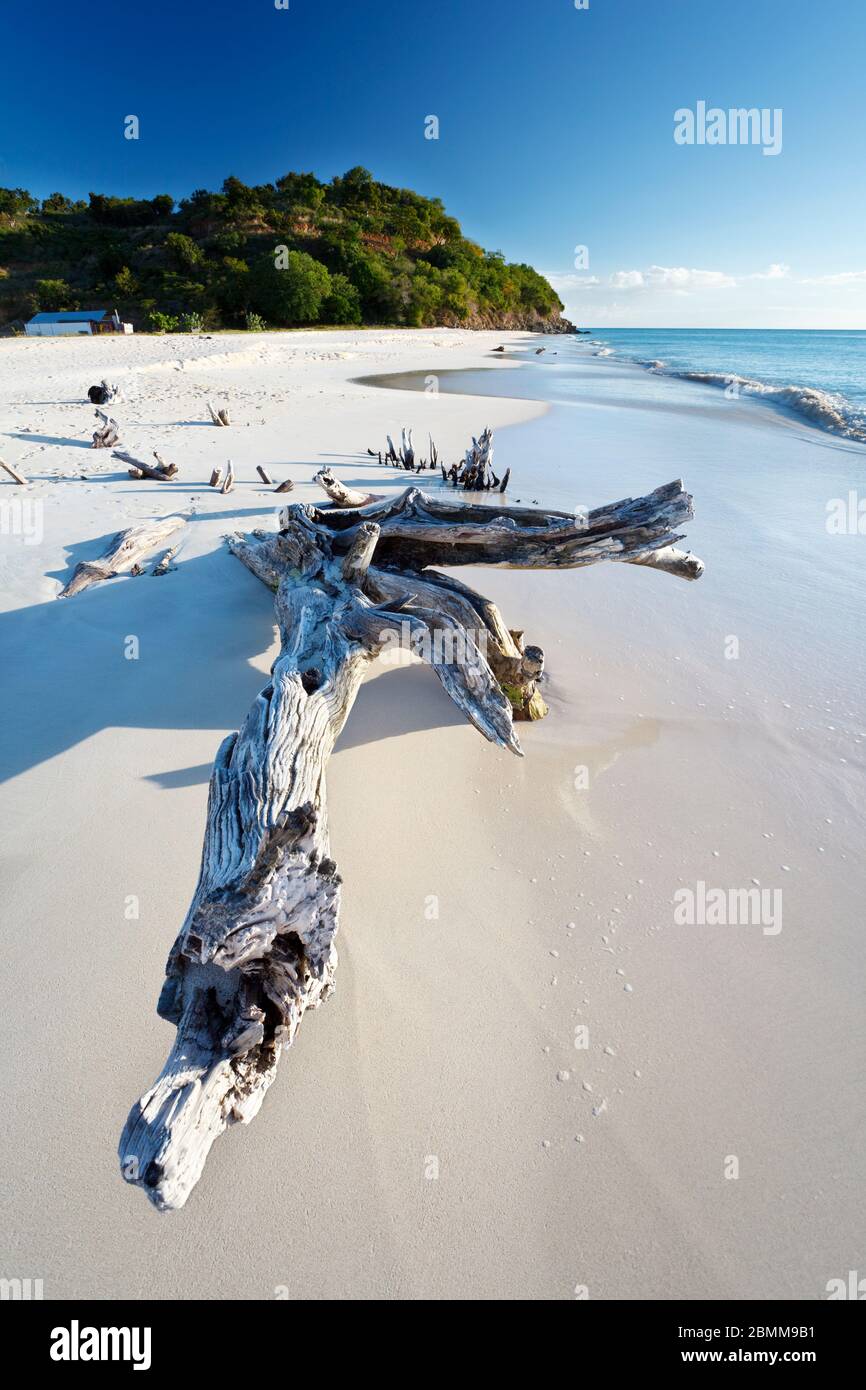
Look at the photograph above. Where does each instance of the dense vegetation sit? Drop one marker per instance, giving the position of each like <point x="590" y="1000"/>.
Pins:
<point x="296" y="251"/>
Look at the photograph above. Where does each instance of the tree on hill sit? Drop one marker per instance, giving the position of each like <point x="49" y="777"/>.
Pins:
<point x="292" y="294"/>
<point x="356" y="251"/>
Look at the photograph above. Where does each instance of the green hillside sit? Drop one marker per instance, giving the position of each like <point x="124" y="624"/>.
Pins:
<point x="293" y="252"/>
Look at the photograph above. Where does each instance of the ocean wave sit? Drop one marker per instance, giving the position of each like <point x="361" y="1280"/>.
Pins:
<point x="827" y="409"/>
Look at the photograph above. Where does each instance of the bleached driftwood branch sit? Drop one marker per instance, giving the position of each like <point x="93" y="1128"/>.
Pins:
<point x="109" y="435"/>
<point x="161" y="473"/>
<point x="219" y="416"/>
<point x="257" y="948"/>
<point x="339" y="494"/>
<point x="14" y="474"/>
<point x="405" y="456"/>
<point x="125" y="551"/>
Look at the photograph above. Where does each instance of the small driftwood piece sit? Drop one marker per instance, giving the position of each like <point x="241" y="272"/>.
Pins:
<point x="476" y="473"/>
<point x="166" y="564"/>
<point x="162" y="473"/>
<point x="104" y="393"/>
<point x="339" y="494"/>
<point x="229" y="480"/>
<point x="124" y="553"/>
<point x="109" y="435"/>
<point x="257" y="948"/>
<point x="264" y="474"/>
<point x="286" y="486"/>
<point x="14" y="474"/>
<point x="219" y="417"/>
<point x="406" y="457"/>
<point x="215" y="477"/>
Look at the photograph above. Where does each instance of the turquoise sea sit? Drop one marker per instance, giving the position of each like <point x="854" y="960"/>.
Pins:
<point x="819" y="374"/>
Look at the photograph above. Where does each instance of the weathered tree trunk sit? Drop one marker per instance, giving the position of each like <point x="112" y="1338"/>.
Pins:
<point x="257" y="948"/>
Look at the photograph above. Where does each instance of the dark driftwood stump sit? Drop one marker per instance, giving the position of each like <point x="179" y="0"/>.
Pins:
<point x="257" y="947"/>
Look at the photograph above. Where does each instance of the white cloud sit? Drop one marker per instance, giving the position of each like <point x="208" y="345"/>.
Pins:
<point x="677" y="278"/>
<point x="778" y="271"/>
<point x="627" y="280"/>
<point x="681" y="279"/>
<point x="679" y="296"/>
<point x="571" y="283"/>
<point x="845" y="277"/>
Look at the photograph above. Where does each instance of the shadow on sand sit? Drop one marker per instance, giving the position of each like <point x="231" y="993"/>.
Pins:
<point x="66" y="674"/>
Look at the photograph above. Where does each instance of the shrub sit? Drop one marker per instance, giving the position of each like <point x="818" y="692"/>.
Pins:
<point x="54" y="295"/>
<point x="190" y="323"/>
<point x="185" y="253"/>
<point x="158" y="322"/>
<point x="254" y="322"/>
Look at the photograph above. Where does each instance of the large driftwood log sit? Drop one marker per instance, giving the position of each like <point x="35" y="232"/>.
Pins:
<point x="125" y="551"/>
<point x="257" y="948"/>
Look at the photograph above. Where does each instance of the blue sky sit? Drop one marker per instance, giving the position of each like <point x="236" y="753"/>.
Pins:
<point x="556" y="130"/>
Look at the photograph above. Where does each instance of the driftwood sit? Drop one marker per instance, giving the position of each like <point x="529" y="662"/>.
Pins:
<point x="474" y="471"/>
<point x="257" y="947"/>
<point x="264" y="474"/>
<point x="123" y="554"/>
<point x="286" y="486"/>
<point x="405" y="457"/>
<point x="14" y="474"/>
<point x="219" y="417"/>
<point x="109" y="435"/>
<point x="103" y="393"/>
<point x="166" y="564"/>
<point x="229" y="480"/>
<point x="215" y="477"/>
<point x="339" y="494"/>
<point x="162" y="473"/>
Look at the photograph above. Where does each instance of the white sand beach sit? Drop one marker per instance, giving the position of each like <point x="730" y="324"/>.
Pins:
<point x="435" y="1132"/>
